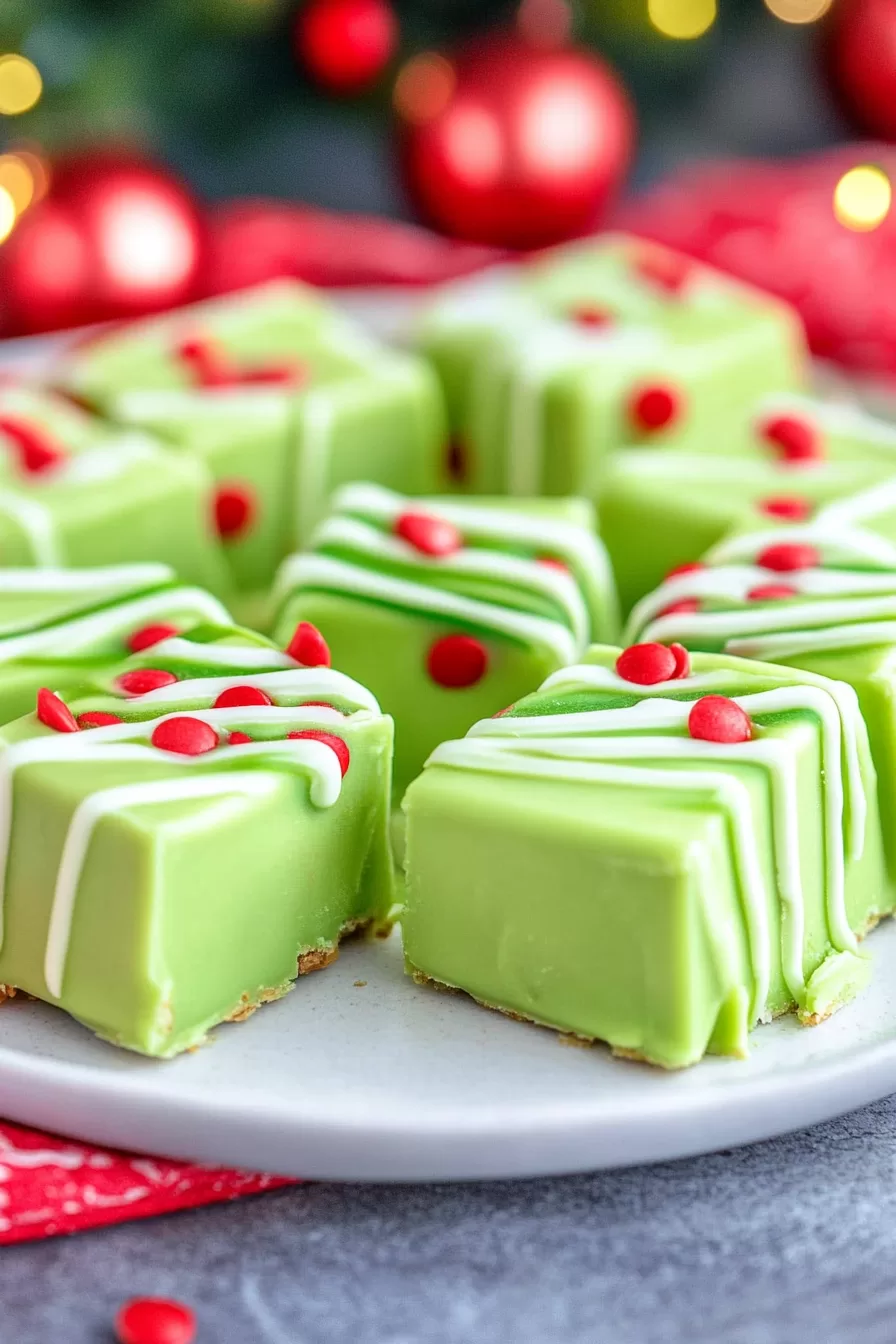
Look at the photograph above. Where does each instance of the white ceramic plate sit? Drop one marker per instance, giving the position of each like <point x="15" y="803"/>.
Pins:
<point x="390" y="1081"/>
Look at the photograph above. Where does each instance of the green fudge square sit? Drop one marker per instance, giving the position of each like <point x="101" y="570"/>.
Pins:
<point x="286" y="402"/>
<point x="818" y="596"/>
<point x="586" y="863"/>
<point x="57" y="626"/>
<point x="443" y="639"/>
<point x="74" y="492"/>
<point x="153" y="889"/>
<point x="595" y="346"/>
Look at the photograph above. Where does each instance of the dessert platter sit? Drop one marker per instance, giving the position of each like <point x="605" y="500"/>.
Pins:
<point x="469" y="759"/>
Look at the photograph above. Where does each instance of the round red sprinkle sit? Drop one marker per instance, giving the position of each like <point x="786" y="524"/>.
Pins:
<point x="682" y="661"/>
<point x="591" y="315"/>
<point x="330" y="740"/>
<point x="456" y="661"/>
<point x="235" y="509"/>
<point x="98" y="718"/>
<point x="646" y="664"/>
<point x="669" y="270"/>
<point x="236" y="696"/>
<point x="147" y="635"/>
<point x="785" y="556"/>
<point x="690" y="567"/>
<point x="771" y="592"/>
<point x="308" y="646"/>
<point x="791" y="507"/>
<point x="37" y="453"/>
<point x="715" y="718"/>
<point x="655" y="407"/>
<point x="185" y="735"/>
<point x="428" y="534"/>
<point x="795" y="440"/>
<point x="553" y="563"/>
<point x="144" y="679"/>
<point x="685" y="606"/>
<point x="155" y="1320"/>
<point x="55" y="713"/>
<point x="239" y="739"/>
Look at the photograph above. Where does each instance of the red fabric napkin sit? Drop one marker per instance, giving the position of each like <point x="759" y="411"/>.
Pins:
<point x="773" y="223"/>
<point x="50" y="1186"/>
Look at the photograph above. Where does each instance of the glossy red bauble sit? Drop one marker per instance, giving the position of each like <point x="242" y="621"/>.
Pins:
<point x="345" y="45"/>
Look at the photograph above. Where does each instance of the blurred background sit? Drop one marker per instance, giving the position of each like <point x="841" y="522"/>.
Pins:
<point x="156" y="150"/>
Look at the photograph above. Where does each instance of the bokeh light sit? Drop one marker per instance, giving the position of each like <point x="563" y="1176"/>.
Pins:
<point x="20" y="84"/>
<point x="17" y="180"/>
<point x="424" y="88"/>
<point x="546" y="23"/>
<point x="39" y="170"/>
<point x="682" y="19"/>
<point x="862" y="198"/>
<point x="146" y="243"/>
<point x="798" y="11"/>
<point x="7" y="214"/>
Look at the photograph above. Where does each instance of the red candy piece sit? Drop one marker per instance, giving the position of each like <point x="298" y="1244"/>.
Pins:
<point x="147" y="635"/>
<point x="239" y="739"/>
<point x="668" y="270"/>
<point x="795" y="440"/>
<point x="235" y="509"/>
<point x="37" y="453"/>
<point x="55" y="713"/>
<point x="144" y="679"/>
<point x="155" y="1320"/>
<point x="771" y="592"/>
<point x="791" y="507"/>
<point x="553" y="563"/>
<point x="97" y="718"/>
<point x="308" y="646"/>
<point x="185" y="735"/>
<point x="690" y="567"/>
<point x="330" y="740"/>
<point x="682" y="661"/>
<point x="456" y="661"/>
<point x="236" y="696"/>
<point x="590" y="315"/>
<point x="785" y="556"/>
<point x="715" y="718"/>
<point x="655" y="407"/>
<point x="685" y="606"/>
<point x="428" y="534"/>
<point x="647" y="664"/>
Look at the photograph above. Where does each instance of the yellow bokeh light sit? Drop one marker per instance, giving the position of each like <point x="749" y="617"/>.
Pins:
<point x="17" y="179"/>
<point x="798" y="11"/>
<point x="862" y="198"/>
<point x="682" y="19"/>
<point x="7" y="214"/>
<point x="20" y="84"/>
<point x="424" y="88"/>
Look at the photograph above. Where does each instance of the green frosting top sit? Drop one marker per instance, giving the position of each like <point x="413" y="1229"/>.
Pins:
<point x="533" y="573"/>
<point x="590" y="724"/>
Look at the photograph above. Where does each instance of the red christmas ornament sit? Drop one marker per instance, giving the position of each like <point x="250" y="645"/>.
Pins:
<point x="155" y="1320"/>
<point x="185" y="735"/>
<point x="148" y="635"/>
<point x="345" y="45"/>
<point x="456" y="661"/>
<point x="308" y="646"/>
<point x="771" y="592"/>
<point x="861" y="56"/>
<point x="55" y="713"/>
<point x="98" y="718"/>
<point x="786" y="556"/>
<point x="330" y="740"/>
<point x="235" y="697"/>
<point x="117" y="237"/>
<point x="654" y="407"/>
<point x="428" y="534"/>
<point x="646" y="664"/>
<point x="519" y="145"/>
<point x="715" y="718"/>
